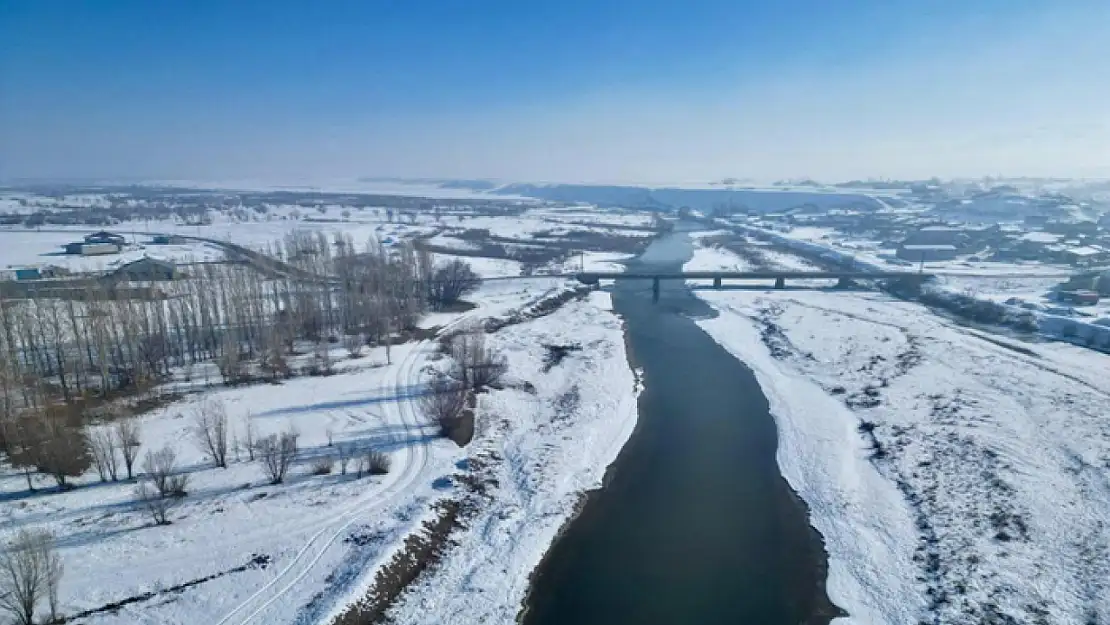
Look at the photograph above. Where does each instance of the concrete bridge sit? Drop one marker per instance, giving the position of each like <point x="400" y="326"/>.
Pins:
<point x="843" y="279"/>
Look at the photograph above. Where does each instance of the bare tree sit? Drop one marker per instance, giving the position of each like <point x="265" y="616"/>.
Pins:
<point x="64" y="451"/>
<point x="277" y="454"/>
<point x="476" y="365"/>
<point x="54" y="571"/>
<point x="102" y="443"/>
<point x="127" y="441"/>
<point x="210" y="430"/>
<point x="236" y="448"/>
<point x="443" y="403"/>
<point x="22" y="436"/>
<point x="29" y="569"/>
<point x="248" y="438"/>
<point x="161" y="470"/>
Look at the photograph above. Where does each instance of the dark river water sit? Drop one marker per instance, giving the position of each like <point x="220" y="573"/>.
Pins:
<point x="695" y="524"/>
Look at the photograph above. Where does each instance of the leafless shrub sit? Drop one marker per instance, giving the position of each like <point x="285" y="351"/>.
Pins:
<point x="377" y="462"/>
<point x="353" y="343"/>
<point x="330" y="435"/>
<point x="443" y="403"/>
<point x="127" y="441"/>
<point x="102" y="443"/>
<point x="476" y="366"/>
<point x="322" y="465"/>
<point x="277" y="454"/>
<point x="210" y="430"/>
<point x="29" y="571"/>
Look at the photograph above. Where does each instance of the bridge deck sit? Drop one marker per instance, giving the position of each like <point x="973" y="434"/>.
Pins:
<point x="750" y="275"/>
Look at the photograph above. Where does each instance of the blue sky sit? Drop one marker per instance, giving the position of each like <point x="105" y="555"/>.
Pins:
<point x="573" y="91"/>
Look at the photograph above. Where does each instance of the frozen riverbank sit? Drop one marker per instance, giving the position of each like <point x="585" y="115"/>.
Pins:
<point x="955" y="476"/>
<point x="543" y="441"/>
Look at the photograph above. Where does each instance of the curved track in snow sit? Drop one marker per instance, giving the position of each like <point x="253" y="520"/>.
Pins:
<point x="398" y="482"/>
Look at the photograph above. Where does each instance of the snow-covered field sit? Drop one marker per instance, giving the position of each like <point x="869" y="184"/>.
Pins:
<point x="22" y="248"/>
<point x="956" y="477"/>
<point x="300" y="551"/>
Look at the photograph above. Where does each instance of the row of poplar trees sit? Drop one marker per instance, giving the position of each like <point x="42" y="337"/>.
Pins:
<point x="63" y="358"/>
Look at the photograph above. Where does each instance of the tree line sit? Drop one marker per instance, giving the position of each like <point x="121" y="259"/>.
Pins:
<point x="61" y="359"/>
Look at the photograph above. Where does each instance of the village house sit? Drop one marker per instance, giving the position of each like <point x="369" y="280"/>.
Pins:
<point x="97" y="243"/>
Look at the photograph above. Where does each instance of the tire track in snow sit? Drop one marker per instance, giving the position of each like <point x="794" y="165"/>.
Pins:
<point x="408" y="374"/>
<point x="309" y="554"/>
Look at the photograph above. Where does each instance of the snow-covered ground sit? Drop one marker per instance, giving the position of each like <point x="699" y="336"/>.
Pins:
<point x="310" y="546"/>
<point x="956" y="477"/>
<point x="541" y="450"/>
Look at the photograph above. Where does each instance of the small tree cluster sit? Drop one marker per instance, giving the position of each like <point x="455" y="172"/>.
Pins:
<point x="50" y="440"/>
<point x="450" y="282"/>
<point x="102" y="444"/>
<point x="476" y="366"/>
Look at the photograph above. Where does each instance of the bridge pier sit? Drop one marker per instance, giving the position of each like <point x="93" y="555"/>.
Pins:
<point x="780" y="283"/>
<point x="655" y="289"/>
<point x="845" y="283"/>
<point x="717" y="282"/>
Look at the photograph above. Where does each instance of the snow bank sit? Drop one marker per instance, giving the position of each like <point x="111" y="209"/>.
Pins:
<point x="956" y="476"/>
<point x="542" y="449"/>
<point x="865" y="523"/>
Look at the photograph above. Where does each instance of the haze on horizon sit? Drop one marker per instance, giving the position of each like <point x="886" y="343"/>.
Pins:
<point x="570" y="91"/>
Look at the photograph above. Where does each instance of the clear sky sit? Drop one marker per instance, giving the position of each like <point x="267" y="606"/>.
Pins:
<point x="566" y="90"/>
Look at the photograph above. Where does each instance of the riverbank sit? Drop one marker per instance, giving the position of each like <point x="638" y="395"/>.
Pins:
<point x="542" y="441"/>
<point x="956" y="477"/>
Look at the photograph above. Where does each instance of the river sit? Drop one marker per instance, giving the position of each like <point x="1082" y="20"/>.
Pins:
<point x="695" y="524"/>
